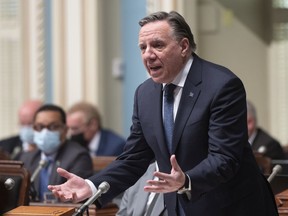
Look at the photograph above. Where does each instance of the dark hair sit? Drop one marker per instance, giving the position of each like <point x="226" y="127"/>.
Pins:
<point x="51" y="107"/>
<point x="178" y="24"/>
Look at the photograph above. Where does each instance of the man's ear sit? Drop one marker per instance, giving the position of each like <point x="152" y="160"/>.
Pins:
<point x="184" y="44"/>
<point x="94" y="123"/>
<point x="65" y="134"/>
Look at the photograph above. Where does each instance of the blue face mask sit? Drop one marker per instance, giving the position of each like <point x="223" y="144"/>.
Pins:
<point x="47" y="141"/>
<point x="26" y="134"/>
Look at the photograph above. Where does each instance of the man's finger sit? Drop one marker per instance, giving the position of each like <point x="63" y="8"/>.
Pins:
<point x="52" y="187"/>
<point x="64" y="173"/>
<point x="174" y="163"/>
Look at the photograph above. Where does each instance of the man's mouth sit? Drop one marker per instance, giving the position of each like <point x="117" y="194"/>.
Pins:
<point x="154" y="68"/>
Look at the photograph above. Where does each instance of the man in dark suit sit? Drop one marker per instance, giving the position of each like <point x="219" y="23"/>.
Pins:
<point x="53" y="148"/>
<point x="259" y="139"/>
<point x="209" y="169"/>
<point x="24" y="141"/>
<point x="84" y="123"/>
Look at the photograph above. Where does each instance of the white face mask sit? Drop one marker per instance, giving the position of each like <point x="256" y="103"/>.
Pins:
<point x="26" y="134"/>
<point x="47" y="141"/>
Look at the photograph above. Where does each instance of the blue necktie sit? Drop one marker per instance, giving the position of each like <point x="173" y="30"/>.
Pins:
<point x="44" y="180"/>
<point x="168" y="113"/>
<point x="169" y="125"/>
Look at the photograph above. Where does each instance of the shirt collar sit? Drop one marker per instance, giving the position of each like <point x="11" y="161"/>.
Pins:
<point x="50" y="157"/>
<point x="252" y="137"/>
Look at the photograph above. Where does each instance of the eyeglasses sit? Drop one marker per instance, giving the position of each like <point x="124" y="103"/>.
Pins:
<point x="51" y="127"/>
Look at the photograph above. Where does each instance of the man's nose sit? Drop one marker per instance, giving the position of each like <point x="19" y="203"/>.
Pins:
<point x="149" y="54"/>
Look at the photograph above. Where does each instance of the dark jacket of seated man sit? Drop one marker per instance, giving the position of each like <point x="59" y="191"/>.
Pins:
<point x="71" y="156"/>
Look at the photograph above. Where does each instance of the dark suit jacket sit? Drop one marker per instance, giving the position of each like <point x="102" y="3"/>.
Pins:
<point x="110" y="144"/>
<point x="71" y="156"/>
<point x="210" y="142"/>
<point x="12" y="145"/>
<point x="273" y="147"/>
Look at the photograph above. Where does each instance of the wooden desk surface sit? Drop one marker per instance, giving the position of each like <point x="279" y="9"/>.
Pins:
<point x="109" y="210"/>
<point x="41" y="211"/>
<point x="92" y="208"/>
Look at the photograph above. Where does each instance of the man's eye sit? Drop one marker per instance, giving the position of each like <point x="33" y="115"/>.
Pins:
<point x="37" y="127"/>
<point x="159" y="45"/>
<point x="53" y="127"/>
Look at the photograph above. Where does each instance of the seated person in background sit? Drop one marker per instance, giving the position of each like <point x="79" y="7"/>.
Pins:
<point x="24" y="140"/>
<point x="136" y="201"/>
<point x="260" y="140"/>
<point x="50" y="137"/>
<point x="84" y="123"/>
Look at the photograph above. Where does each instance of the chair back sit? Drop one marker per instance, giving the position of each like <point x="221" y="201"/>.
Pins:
<point x="4" y="155"/>
<point x="14" y="185"/>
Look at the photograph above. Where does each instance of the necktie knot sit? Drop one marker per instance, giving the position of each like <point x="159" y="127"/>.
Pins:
<point x="169" y="90"/>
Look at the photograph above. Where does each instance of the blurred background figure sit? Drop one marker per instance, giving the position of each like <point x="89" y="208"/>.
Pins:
<point x="84" y="123"/>
<point x="259" y="139"/>
<point x="14" y="145"/>
<point x="136" y="201"/>
<point x="53" y="151"/>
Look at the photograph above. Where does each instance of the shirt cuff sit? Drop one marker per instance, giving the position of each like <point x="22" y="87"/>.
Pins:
<point x="186" y="188"/>
<point x="92" y="186"/>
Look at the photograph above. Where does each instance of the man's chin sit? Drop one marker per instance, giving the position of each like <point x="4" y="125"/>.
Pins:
<point x="158" y="79"/>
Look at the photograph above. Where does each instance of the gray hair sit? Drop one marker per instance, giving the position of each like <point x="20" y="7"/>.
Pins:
<point x="180" y="27"/>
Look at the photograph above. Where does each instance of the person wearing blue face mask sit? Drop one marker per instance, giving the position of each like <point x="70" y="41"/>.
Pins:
<point x="22" y="142"/>
<point x="53" y="150"/>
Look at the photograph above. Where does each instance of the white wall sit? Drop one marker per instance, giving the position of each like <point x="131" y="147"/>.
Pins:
<point x="225" y="40"/>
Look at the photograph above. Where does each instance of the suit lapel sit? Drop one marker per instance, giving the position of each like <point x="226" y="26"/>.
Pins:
<point x="190" y="93"/>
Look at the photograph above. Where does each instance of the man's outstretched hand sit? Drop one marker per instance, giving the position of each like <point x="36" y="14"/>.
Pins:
<point x="168" y="182"/>
<point x="75" y="189"/>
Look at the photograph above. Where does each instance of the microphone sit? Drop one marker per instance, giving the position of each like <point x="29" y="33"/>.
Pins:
<point x="16" y="151"/>
<point x="103" y="188"/>
<point x="9" y="183"/>
<point x="276" y="169"/>
<point x="41" y="165"/>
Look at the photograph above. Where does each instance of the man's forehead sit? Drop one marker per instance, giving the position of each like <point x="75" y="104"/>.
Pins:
<point x="48" y="115"/>
<point x="78" y="115"/>
<point x="154" y="33"/>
